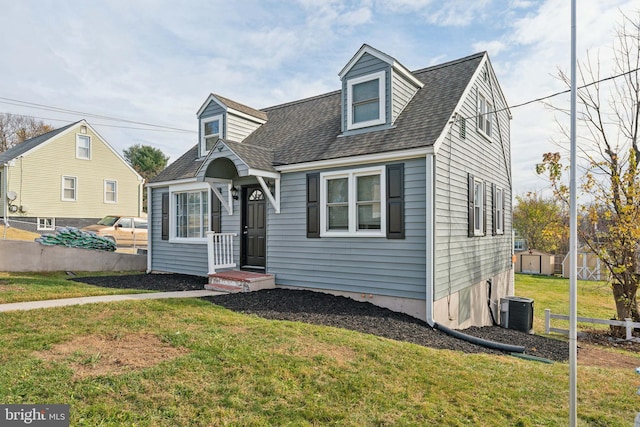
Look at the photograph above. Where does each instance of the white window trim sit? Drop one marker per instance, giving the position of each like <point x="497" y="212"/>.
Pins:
<point x="485" y="117"/>
<point x="115" y="198"/>
<point x="353" y="211"/>
<point x="40" y="227"/>
<point x="499" y="210"/>
<point x="75" y="188"/>
<point x="203" y="137"/>
<point x="78" y="138"/>
<point x="176" y="189"/>
<point x="381" y="76"/>
<point x="479" y="232"/>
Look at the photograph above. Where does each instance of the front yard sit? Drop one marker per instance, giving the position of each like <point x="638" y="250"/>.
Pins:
<point x="188" y="362"/>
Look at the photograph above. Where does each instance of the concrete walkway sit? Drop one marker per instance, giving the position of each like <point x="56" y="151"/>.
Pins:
<point x="31" y="305"/>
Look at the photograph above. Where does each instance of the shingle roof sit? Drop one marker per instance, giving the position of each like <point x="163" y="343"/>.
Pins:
<point x="310" y="129"/>
<point x="18" y="150"/>
<point x="185" y="167"/>
<point x="241" y="107"/>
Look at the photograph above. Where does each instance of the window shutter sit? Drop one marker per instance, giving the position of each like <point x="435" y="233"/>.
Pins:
<point x="485" y="211"/>
<point x="395" y="201"/>
<point x="165" y="216"/>
<point x="494" y="216"/>
<point x="216" y="216"/>
<point x="313" y="205"/>
<point x="471" y="223"/>
<point x="504" y="198"/>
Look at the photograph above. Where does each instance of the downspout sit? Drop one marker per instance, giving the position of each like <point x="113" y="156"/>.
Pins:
<point x="150" y="231"/>
<point x="430" y="237"/>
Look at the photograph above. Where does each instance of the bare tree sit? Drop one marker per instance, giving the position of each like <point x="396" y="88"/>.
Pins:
<point x="15" y="129"/>
<point x="608" y="142"/>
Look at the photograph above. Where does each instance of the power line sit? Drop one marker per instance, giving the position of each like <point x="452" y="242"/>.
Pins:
<point x="19" y="103"/>
<point x="558" y="93"/>
<point x="97" y="124"/>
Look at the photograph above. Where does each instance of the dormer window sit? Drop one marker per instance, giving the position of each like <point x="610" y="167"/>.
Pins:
<point x="366" y="101"/>
<point x="211" y="131"/>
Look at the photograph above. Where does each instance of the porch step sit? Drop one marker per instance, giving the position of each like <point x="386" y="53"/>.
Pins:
<point x="240" y="281"/>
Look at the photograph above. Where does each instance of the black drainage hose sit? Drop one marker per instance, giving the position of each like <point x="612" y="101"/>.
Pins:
<point x="480" y="341"/>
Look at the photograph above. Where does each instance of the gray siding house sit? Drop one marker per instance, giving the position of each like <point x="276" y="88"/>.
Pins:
<point x="395" y="189"/>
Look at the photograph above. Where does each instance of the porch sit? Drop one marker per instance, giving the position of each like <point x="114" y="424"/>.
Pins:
<point x="220" y="257"/>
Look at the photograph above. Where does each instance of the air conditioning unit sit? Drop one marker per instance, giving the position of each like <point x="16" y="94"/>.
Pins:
<point x="516" y="313"/>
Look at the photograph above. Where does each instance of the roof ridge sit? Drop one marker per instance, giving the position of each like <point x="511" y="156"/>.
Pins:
<point x="451" y="63"/>
<point x="299" y="101"/>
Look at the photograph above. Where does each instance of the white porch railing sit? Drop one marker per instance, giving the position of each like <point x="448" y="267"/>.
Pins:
<point x="220" y="250"/>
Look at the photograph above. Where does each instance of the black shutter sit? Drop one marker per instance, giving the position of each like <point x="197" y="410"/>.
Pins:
<point x="313" y="205"/>
<point x="395" y="201"/>
<point x="485" y="211"/>
<point x="494" y="216"/>
<point x="471" y="224"/>
<point x="165" y="216"/>
<point x="216" y="213"/>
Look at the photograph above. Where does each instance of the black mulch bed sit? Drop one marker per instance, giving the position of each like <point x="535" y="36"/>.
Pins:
<point x="324" y="309"/>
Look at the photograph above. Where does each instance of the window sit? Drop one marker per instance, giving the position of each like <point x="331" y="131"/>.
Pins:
<point x="46" y="224"/>
<point x="485" y="115"/>
<point x="191" y="214"/>
<point x="476" y="224"/>
<point x="351" y="203"/>
<point x="211" y="131"/>
<point x="83" y="147"/>
<point x="518" y="245"/>
<point x="366" y="101"/>
<point x="69" y="188"/>
<point x="498" y="214"/>
<point x="110" y="191"/>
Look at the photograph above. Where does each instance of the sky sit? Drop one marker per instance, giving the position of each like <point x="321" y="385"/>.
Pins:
<point x="138" y="71"/>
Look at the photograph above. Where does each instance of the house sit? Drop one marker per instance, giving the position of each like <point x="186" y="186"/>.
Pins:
<point x="70" y="176"/>
<point x="394" y="189"/>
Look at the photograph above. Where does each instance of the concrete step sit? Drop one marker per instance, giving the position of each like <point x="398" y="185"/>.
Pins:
<point x="240" y="281"/>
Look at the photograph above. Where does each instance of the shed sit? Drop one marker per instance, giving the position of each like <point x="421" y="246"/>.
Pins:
<point x="535" y="262"/>
<point x="589" y="266"/>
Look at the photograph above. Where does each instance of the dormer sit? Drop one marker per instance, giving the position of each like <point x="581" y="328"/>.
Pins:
<point x="375" y="90"/>
<point x="222" y="118"/>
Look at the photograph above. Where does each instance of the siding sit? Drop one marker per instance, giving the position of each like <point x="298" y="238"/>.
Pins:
<point x="181" y="257"/>
<point x="402" y="92"/>
<point x="366" y="65"/>
<point x="362" y="265"/>
<point x="37" y="179"/>
<point x="462" y="261"/>
<point x="238" y="128"/>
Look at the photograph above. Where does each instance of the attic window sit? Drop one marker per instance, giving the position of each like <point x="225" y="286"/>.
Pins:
<point x="366" y="101"/>
<point x="211" y="131"/>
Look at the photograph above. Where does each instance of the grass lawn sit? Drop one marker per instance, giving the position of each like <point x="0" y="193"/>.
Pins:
<point x="190" y="363"/>
<point x="13" y="233"/>
<point x="19" y="287"/>
<point x="594" y="299"/>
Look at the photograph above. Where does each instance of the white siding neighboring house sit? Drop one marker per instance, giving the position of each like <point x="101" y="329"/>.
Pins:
<point x="395" y="189"/>
<point x="67" y="177"/>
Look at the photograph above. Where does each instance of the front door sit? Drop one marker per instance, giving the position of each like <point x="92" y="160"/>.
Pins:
<point x="254" y="230"/>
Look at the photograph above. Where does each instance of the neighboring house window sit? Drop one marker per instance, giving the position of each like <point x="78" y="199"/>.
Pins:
<point x="498" y="210"/>
<point x="110" y="191"/>
<point x="83" y="147"/>
<point x="518" y="245"/>
<point x="351" y="203"/>
<point x="69" y="188"/>
<point x="46" y="224"/>
<point x="191" y="214"/>
<point x="485" y="115"/>
<point x="366" y="101"/>
<point x="211" y="131"/>
<point x="476" y="201"/>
